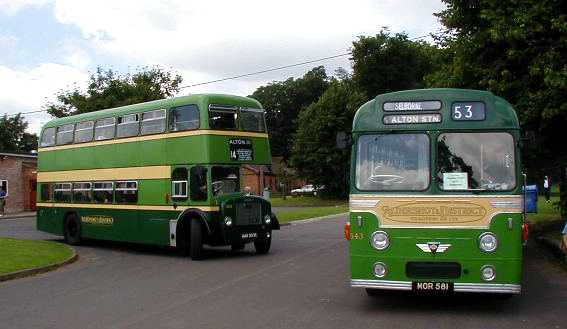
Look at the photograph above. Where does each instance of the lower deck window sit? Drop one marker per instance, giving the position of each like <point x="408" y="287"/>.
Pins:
<point x="46" y="191"/>
<point x="102" y="192"/>
<point x="126" y="192"/>
<point x="82" y="192"/>
<point x="62" y="192"/>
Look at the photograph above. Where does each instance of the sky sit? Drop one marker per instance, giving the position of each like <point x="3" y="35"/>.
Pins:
<point x="50" y="45"/>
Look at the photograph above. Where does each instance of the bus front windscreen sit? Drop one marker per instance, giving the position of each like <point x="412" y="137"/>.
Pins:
<point x="476" y="161"/>
<point x="252" y="120"/>
<point x="392" y="162"/>
<point x="225" y="180"/>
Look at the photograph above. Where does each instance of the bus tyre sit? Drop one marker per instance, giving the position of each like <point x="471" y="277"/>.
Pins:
<point x="263" y="246"/>
<point x="237" y="246"/>
<point x="72" y="230"/>
<point x="196" y="240"/>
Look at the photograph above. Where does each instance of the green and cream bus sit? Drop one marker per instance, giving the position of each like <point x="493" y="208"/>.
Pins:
<point x="165" y="172"/>
<point x="436" y="199"/>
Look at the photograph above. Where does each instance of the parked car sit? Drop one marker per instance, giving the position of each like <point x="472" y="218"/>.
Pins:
<point x="306" y="190"/>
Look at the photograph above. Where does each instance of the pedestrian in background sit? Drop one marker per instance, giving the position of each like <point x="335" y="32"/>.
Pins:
<point x="546" y="188"/>
<point x="2" y="201"/>
<point x="564" y="240"/>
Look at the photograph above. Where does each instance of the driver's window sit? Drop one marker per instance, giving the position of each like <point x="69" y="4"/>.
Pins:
<point x="198" y="183"/>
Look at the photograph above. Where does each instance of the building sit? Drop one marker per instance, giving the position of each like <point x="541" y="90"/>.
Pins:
<point x="18" y="177"/>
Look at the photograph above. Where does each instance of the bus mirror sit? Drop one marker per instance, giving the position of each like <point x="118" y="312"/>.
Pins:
<point x="343" y="140"/>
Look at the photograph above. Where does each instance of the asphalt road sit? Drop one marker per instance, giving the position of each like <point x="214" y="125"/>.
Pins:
<point x="302" y="283"/>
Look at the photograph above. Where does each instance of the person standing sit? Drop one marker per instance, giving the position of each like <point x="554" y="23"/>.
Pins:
<point x="2" y="201"/>
<point x="546" y="189"/>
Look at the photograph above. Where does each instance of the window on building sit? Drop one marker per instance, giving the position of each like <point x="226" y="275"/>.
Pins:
<point x="62" y="192"/>
<point x="46" y="192"/>
<point x="104" y="129"/>
<point x="102" y="192"/>
<point x="65" y="134"/>
<point x="179" y="179"/>
<point x="4" y="186"/>
<point x="223" y="118"/>
<point x="128" y="126"/>
<point x="82" y="192"/>
<point x="198" y="183"/>
<point x="184" y="118"/>
<point x="126" y="192"/>
<point x="153" y="122"/>
<point x="48" y="137"/>
<point x="84" y="132"/>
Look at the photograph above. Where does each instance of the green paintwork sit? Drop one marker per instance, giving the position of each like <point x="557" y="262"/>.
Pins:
<point x="150" y="227"/>
<point x="500" y="116"/>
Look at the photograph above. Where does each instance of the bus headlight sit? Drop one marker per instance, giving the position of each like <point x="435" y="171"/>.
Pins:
<point x="380" y="240"/>
<point x="488" y="273"/>
<point x="228" y="221"/>
<point x="380" y="270"/>
<point x="267" y="219"/>
<point x="487" y="242"/>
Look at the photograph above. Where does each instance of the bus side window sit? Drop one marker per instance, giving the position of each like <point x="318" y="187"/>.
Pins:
<point x="102" y="192"/>
<point x="65" y="134"/>
<point x="82" y="192"/>
<point x="62" y="192"/>
<point x="126" y="192"/>
<point x="179" y="179"/>
<point x="46" y="192"/>
<point x="48" y="137"/>
<point x="104" y="129"/>
<point x="153" y="122"/>
<point x="198" y="183"/>
<point x="184" y="118"/>
<point x="127" y="126"/>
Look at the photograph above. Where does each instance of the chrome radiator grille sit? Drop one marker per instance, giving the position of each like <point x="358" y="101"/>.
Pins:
<point x="248" y="213"/>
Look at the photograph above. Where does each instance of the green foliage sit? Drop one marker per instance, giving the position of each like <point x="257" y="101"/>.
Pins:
<point x="315" y="154"/>
<point x="284" y="101"/>
<point x="516" y="49"/>
<point x="13" y="137"/>
<point x="386" y="63"/>
<point x="109" y="89"/>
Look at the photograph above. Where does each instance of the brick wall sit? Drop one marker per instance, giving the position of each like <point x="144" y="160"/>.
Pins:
<point x="18" y="176"/>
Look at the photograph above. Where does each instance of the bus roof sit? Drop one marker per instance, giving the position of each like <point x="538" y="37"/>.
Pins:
<point x="198" y="99"/>
<point x="499" y="114"/>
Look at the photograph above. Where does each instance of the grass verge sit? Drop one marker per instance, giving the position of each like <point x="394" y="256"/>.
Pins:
<point x="305" y="201"/>
<point x="18" y="255"/>
<point x="545" y="211"/>
<point x="290" y="216"/>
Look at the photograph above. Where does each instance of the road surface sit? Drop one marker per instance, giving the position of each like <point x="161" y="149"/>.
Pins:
<point x="302" y="283"/>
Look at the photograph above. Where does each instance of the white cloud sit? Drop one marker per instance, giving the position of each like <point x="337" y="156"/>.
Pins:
<point x="24" y="91"/>
<point x="12" y="7"/>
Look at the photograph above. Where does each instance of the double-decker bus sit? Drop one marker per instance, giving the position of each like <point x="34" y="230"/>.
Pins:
<point x="165" y="172"/>
<point x="436" y="193"/>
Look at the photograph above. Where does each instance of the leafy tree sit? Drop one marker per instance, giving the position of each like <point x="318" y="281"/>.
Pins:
<point x="386" y="63"/>
<point x="13" y="135"/>
<point x="516" y="49"/>
<point x="315" y="154"/>
<point x="284" y="101"/>
<point x="109" y="89"/>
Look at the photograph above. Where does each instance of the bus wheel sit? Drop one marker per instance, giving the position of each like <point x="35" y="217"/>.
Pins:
<point x="196" y="241"/>
<point x="237" y="246"/>
<point x="72" y="230"/>
<point x="263" y="246"/>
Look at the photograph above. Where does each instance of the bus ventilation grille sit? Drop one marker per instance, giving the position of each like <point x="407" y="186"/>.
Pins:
<point x="248" y="213"/>
<point x="433" y="270"/>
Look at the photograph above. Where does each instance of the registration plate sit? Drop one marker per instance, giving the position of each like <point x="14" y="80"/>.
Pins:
<point x="249" y="235"/>
<point x="432" y="286"/>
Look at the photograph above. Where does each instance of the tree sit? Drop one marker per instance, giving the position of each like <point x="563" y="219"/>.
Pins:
<point x="107" y="89"/>
<point x="13" y="135"/>
<point x="315" y="154"/>
<point x="514" y="48"/>
<point x="386" y="63"/>
<point x="284" y="101"/>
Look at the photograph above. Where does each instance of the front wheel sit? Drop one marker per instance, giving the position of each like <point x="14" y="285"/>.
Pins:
<point x="263" y="246"/>
<point x="72" y="230"/>
<point x="196" y="241"/>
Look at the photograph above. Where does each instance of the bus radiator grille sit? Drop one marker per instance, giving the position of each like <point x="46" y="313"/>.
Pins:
<point x="248" y="213"/>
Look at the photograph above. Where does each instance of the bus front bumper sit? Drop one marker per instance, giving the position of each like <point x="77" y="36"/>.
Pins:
<point x="499" y="288"/>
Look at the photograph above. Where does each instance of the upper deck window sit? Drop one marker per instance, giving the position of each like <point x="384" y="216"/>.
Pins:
<point x="184" y="118"/>
<point x="223" y="118"/>
<point x="476" y="161"/>
<point x="392" y="162"/>
<point x="104" y="129"/>
<point x="48" y="137"/>
<point x="252" y="120"/>
<point x="84" y="132"/>
<point x="127" y="126"/>
<point x="65" y="134"/>
<point x="153" y="122"/>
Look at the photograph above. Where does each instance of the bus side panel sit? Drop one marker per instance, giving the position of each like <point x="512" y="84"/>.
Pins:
<point x="186" y="150"/>
<point x="50" y="220"/>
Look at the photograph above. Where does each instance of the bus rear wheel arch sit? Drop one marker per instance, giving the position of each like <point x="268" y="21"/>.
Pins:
<point x="72" y="229"/>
